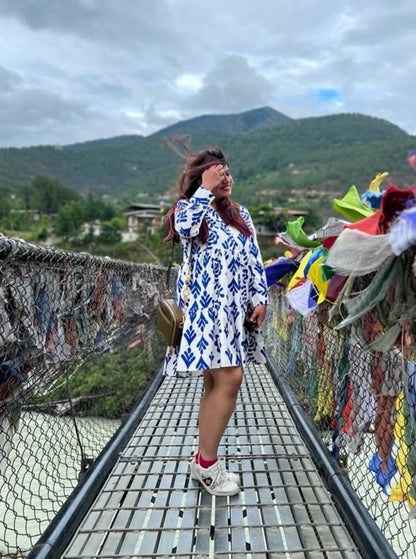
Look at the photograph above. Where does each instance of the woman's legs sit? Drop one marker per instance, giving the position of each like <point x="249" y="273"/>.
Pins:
<point x="217" y="405"/>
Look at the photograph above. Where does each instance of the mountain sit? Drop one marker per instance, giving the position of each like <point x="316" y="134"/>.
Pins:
<point x="271" y="157"/>
<point x="227" y="124"/>
<point x="116" y="140"/>
<point x="102" y="165"/>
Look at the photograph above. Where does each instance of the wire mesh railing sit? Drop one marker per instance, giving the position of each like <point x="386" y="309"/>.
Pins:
<point x="361" y="401"/>
<point x="77" y="348"/>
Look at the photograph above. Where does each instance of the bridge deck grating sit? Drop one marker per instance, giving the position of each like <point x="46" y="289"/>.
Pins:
<point x="149" y="506"/>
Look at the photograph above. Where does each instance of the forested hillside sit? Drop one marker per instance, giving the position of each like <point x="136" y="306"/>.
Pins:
<point x="270" y="155"/>
<point x="230" y="124"/>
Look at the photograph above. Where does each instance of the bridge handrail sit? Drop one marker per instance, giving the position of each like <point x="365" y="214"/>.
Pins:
<point x="360" y="402"/>
<point x="77" y="348"/>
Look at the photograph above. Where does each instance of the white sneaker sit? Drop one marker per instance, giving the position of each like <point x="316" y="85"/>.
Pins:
<point x="229" y="475"/>
<point x="214" y="479"/>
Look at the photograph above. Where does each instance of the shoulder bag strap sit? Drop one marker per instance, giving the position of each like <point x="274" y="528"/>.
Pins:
<point x="169" y="270"/>
<point x="188" y="272"/>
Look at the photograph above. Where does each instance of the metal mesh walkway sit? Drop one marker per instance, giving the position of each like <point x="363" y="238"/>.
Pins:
<point x="149" y="506"/>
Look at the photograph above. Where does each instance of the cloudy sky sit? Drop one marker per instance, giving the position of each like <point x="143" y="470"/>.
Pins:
<point x="75" y="70"/>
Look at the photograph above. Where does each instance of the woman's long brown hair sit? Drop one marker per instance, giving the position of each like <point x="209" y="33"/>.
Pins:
<point x="190" y="180"/>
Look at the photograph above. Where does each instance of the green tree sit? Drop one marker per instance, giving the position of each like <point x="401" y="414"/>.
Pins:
<point x="95" y="208"/>
<point x="29" y="197"/>
<point x="111" y="230"/>
<point x="5" y="205"/>
<point x="69" y="220"/>
<point x="51" y="194"/>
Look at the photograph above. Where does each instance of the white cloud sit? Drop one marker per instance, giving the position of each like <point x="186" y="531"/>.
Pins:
<point x="188" y="83"/>
<point x="72" y="71"/>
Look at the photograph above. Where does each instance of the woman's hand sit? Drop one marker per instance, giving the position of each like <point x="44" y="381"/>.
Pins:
<point x="213" y="176"/>
<point x="259" y="314"/>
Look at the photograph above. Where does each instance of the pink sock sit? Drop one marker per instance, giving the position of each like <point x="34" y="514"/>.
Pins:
<point x="205" y="463"/>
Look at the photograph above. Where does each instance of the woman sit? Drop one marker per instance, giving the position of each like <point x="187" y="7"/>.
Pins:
<point x="227" y="278"/>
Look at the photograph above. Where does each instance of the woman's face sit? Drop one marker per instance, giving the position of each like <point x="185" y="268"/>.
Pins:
<point x="224" y="189"/>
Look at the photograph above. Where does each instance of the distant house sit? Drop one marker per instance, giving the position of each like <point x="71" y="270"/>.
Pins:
<point x="142" y="218"/>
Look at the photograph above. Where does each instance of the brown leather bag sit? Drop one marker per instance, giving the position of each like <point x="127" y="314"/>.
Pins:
<point x="170" y="318"/>
<point x="169" y="322"/>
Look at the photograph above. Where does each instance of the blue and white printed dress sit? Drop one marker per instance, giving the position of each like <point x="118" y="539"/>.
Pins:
<point x="226" y="275"/>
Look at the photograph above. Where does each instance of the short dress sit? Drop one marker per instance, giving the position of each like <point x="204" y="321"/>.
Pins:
<point x="226" y="275"/>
